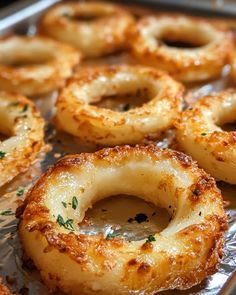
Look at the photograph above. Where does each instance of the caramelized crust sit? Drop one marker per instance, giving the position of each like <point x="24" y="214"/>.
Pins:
<point x="180" y="256"/>
<point x="3" y="289"/>
<point x="199" y="134"/>
<point x="22" y="124"/>
<point x="209" y="49"/>
<point x="77" y="116"/>
<point x="94" y="28"/>
<point x="35" y="65"/>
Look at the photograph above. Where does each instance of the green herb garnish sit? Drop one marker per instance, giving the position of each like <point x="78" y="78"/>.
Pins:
<point x="68" y="224"/>
<point x="64" y="204"/>
<point x="150" y="239"/>
<point x="203" y="133"/>
<point x="7" y="212"/>
<point x="111" y="236"/>
<point x="2" y="154"/>
<point x="25" y="108"/>
<point x="74" y="203"/>
<point x="20" y="191"/>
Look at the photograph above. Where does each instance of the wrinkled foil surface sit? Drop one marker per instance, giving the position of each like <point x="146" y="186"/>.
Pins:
<point x="107" y="216"/>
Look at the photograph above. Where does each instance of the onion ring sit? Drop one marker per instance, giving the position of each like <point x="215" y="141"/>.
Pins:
<point x="35" y="65"/>
<point x="100" y="28"/>
<point x="180" y="256"/>
<point x="199" y="135"/>
<point x="77" y="116"/>
<point x="206" y="61"/>
<point x="21" y="121"/>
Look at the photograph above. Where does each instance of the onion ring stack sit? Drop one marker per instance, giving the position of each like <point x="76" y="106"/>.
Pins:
<point x="77" y="116"/>
<point x="180" y="256"/>
<point x="94" y="28"/>
<point x="24" y="126"/>
<point x="35" y="65"/>
<point x="199" y="135"/>
<point x="212" y="52"/>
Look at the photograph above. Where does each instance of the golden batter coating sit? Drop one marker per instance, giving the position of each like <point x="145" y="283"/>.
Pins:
<point x="35" y="65"/>
<point x="23" y="126"/>
<point x="182" y="255"/>
<point x="3" y="289"/>
<point x="77" y="115"/>
<point x="199" y="134"/>
<point x="95" y="28"/>
<point x="209" y="47"/>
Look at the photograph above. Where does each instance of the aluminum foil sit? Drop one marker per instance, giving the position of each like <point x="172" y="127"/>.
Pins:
<point x="111" y="215"/>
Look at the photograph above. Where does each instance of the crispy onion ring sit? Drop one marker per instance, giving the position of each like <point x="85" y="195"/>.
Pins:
<point x="199" y="135"/>
<point x="192" y="64"/>
<point x="94" y="28"/>
<point x="35" y="65"/>
<point x="77" y="116"/>
<point x="24" y="126"/>
<point x="182" y="255"/>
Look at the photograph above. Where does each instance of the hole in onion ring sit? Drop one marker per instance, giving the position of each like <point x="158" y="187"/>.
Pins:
<point x="226" y="120"/>
<point x="124" y="102"/>
<point x="229" y="126"/>
<point x="180" y="43"/>
<point x="85" y="17"/>
<point x="184" y="39"/>
<point x="5" y="131"/>
<point x="138" y="221"/>
<point x="3" y="136"/>
<point x="27" y="60"/>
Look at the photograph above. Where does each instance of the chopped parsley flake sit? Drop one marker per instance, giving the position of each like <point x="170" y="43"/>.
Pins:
<point x="68" y="224"/>
<point x="7" y="212"/>
<point x="74" y="203"/>
<point x="64" y="204"/>
<point x="2" y="154"/>
<point x="20" y="191"/>
<point x="25" y="108"/>
<point x="150" y="239"/>
<point x="111" y="236"/>
<point x="203" y="133"/>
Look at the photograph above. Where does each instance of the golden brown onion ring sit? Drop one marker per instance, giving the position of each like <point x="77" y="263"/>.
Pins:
<point x="212" y="52"/>
<point x="77" y="116"/>
<point x="35" y="65"/>
<point x="94" y="28"/>
<point x="199" y="135"/>
<point x="180" y="256"/>
<point x="22" y="124"/>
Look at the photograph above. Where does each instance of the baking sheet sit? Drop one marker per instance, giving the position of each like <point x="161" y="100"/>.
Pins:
<point x="108" y="215"/>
